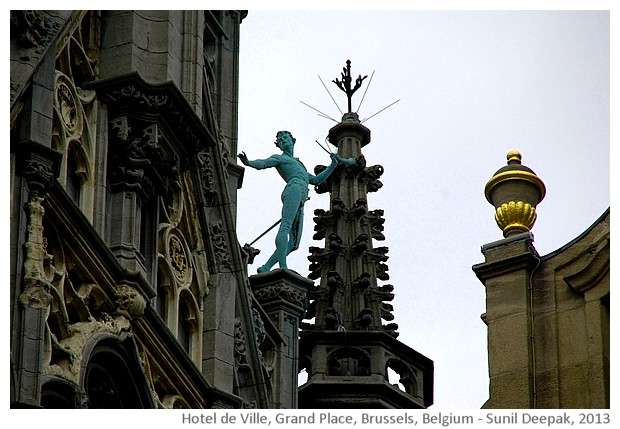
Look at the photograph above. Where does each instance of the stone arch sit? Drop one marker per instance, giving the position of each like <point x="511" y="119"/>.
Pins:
<point x="112" y="375"/>
<point x="73" y="137"/>
<point x="174" y="402"/>
<point x="407" y="377"/>
<point x="57" y="393"/>
<point x="166" y="291"/>
<point x="305" y="365"/>
<point x="348" y="361"/>
<point x="78" y="172"/>
<point x="189" y="326"/>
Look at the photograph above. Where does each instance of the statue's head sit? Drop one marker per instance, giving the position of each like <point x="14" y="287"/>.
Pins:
<point x="285" y="139"/>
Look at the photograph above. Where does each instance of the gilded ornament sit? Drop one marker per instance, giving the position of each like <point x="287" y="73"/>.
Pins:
<point x="515" y="216"/>
<point x="515" y="191"/>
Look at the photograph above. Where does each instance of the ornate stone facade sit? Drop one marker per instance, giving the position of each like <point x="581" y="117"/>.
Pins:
<point x="128" y="287"/>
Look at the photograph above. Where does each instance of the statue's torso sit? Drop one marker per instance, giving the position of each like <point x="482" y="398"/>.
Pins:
<point x="292" y="169"/>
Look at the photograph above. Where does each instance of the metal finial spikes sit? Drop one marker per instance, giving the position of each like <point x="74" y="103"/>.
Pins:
<point x="345" y="83"/>
<point x="389" y="105"/>
<point x="320" y="113"/>
<point x="330" y="95"/>
<point x="326" y="117"/>
<point x="365" y="91"/>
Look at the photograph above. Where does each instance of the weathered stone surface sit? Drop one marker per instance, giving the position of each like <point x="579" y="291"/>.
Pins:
<point x="548" y="341"/>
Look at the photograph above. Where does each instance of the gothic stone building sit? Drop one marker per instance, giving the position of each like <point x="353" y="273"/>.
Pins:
<point x="128" y="286"/>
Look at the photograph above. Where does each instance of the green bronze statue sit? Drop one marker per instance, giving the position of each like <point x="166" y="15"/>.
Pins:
<point x="293" y="196"/>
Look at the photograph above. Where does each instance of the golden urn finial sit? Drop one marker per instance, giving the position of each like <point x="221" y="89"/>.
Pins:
<point x="514" y="156"/>
<point x="515" y="191"/>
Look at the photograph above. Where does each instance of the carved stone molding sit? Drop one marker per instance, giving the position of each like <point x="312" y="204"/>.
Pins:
<point x="174" y="249"/>
<point x="36" y="288"/>
<point x="586" y="270"/>
<point x="370" y="176"/>
<point x="375" y="220"/>
<point x="139" y="157"/>
<point x="38" y="164"/>
<point x="240" y="349"/>
<point x="160" y="103"/>
<point x="33" y="33"/>
<point x="178" y="258"/>
<point x="280" y="291"/>
<point x="32" y="29"/>
<point x="69" y="350"/>
<point x="67" y="104"/>
<point x="207" y="178"/>
<point x="129" y="301"/>
<point x="220" y="244"/>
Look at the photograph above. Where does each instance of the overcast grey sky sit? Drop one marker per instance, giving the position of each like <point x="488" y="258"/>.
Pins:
<point x="472" y="85"/>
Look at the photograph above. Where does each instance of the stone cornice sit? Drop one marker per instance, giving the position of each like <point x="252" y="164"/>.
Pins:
<point x="156" y="102"/>
<point x="38" y="164"/>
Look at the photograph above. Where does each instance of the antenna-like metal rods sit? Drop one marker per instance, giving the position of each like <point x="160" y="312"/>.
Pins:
<point x="330" y="95"/>
<point x="365" y="91"/>
<point x="389" y="105"/>
<point x="317" y="110"/>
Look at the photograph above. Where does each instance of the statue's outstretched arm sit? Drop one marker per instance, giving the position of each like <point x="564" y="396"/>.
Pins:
<point x="323" y="175"/>
<point x="260" y="164"/>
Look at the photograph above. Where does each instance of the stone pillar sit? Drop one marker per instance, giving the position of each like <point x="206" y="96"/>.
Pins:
<point x="515" y="191"/>
<point x="36" y="169"/>
<point x="282" y="294"/>
<point x="506" y="275"/>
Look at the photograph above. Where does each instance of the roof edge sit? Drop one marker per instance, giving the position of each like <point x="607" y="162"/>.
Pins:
<point x="579" y="237"/>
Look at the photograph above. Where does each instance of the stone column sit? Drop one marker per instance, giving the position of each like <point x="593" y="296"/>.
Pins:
<point x="514" y="191"/>
<point x="36" y="168"/>
<point x="506" y="275"/>
<point x="282" y="294"/>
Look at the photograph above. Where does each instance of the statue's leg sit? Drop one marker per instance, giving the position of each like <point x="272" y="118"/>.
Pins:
<point x="296" y="229"/>
<point x="291" y="198"/>
<point x="291" y="201"/>
<point x="270" y="263"/>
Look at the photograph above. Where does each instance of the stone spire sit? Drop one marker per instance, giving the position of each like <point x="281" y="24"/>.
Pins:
<point x="348" y="350"/>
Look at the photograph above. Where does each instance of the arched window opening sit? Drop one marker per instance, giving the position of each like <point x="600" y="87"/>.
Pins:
<point x="113" y="378"/>
<point x="302" y="377"/>
<point x="59" y="395"/>
<point x="103" y="389"/>
<point x="400" y="375"/>
<point x="348" y="362"/>
<point x="161" y="299"/>
<point x="185" y="328"/>
<point x="394" y="379"/>
<point x="304" y="370"/>
<point x="74" y="179"/>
